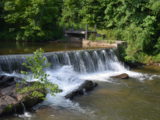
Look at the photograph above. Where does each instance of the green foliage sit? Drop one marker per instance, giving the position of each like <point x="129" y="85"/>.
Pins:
<point x="78" y="14"/>
<point x="156" y="58"/>
<point x="92" y="12"/>
<point x="157" y="46"/>
<point x="36" y="64"/>
<point x="135" y="21"/>
<point x="92" y="37"/>
<point x="110" y="35"/>
<point x="99" y="38"/>
<point x="32" y="19"/>
<point x="70" y="13"/>
<point x="8" y="108"/>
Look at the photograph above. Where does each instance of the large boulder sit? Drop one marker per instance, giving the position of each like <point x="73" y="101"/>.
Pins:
<point x="85" y="87"/>
<point x="6" y="81"/>
<point x="121" y="76"/>
<point x="12" y="101"/>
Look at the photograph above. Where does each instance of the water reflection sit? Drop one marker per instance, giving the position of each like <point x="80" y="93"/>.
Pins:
<point x="12" y="47"/>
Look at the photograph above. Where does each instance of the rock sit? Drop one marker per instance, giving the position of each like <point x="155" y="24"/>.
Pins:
<point x="85" y="87"/>
<point x="6" y="81"/>
<point x="121" y="76"/>
<point x="13" y="102"/>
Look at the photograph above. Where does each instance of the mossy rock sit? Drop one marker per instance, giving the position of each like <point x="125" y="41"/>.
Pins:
<point x="12" y="101"/>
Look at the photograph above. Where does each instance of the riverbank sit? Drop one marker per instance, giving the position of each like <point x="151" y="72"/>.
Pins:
<point x="12" y="100"/>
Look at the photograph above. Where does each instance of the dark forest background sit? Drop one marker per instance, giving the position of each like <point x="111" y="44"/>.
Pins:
<point x="135" y="21"/>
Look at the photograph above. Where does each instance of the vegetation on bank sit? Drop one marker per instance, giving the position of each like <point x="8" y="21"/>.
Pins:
<point x="135" y="21"/>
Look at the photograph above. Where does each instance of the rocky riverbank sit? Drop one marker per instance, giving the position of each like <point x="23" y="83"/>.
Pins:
<point x="12" y="101"/>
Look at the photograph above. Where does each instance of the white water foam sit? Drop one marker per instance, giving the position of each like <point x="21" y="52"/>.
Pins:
<point x="24" y="115"/>
<point x="68" y="80"/>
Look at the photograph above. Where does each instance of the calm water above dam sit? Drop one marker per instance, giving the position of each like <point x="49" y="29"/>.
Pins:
<point x="136" y="98"/>
<point x="12" y="47"/>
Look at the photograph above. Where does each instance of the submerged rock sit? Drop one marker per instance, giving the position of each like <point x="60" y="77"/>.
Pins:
<point x="85" y="87"/>
<point x="121" y="76"/>
<point x="12" y="101"/>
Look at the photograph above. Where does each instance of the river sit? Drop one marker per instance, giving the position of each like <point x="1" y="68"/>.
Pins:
<point x="136" y="98"/>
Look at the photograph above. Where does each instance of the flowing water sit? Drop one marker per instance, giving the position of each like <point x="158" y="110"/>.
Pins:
<point x="137" y="98"/>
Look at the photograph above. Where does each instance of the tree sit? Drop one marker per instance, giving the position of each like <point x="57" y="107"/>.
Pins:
<point x="138" y="24"/>
<point x="33" y="19"/>
<point x="36" y="64"/>
<point x="71" y="15"/>
<point x="135" y="21"/>
<point x="92" y="12"/>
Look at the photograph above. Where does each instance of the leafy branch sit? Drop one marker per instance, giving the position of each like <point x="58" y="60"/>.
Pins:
<point x="37" y="64"/>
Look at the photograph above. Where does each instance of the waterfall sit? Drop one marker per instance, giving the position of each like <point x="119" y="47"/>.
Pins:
<point x="83" y="61"/>
<point x="69" y="70"/>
